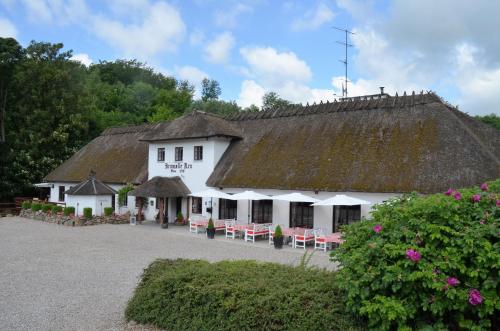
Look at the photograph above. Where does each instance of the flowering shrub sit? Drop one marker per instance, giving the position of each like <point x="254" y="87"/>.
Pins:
<point x="426" y="262"/>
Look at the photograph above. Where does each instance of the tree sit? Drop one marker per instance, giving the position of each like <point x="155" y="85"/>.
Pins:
<point x="210" y="89"/>
<point x="10" y="54"/>
<point x="491" y="119"/>
<point x="218" y="107"/>
<point x="252" y="108"/>
<point x="271" y="100"/>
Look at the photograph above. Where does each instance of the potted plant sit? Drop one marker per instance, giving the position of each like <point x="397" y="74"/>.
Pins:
<point x="179" y="220"/>
<point x="210" y="229"/>
<point x="278" y="237"/>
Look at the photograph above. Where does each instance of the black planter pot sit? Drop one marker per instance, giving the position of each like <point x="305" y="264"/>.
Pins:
<point x="278" y="242"/>
<point x="211" y="233"/>
<point x="164" y="225"/>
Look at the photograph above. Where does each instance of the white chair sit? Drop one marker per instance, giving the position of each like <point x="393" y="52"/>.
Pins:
<point x="272" y="228"/>
<point x="301" y="240"/>
<point x="321" y="242"/>
<point x="256" y="230"/>
<point x="230" y="229"/>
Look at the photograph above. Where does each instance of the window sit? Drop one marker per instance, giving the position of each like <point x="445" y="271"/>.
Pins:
<point x="178" y="153"/>
<point x="345" y="215"/>
<point x="262" y="211"/>
<point x="161" y="154"/>
<point x="301" y="215"/>
<point x="196" y="207"/>
<point x="198" y="153"/>
<point x="61" y="193"/>
<point x="228" y="208"/>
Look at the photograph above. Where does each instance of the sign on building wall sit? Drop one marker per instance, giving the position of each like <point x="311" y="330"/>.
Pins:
<point x="179" y="167"/>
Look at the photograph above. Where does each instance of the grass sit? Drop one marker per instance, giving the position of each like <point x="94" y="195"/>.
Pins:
<point x="238" y="295"/>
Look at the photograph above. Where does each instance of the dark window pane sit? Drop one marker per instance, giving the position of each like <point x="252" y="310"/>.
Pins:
<point x="61" y="193"/>
<point x="178" y="153"/>
<point x="161" y="154"/>
<point x="198" y="153"/>
<point x="228" y="208"/>
<point x="301" y="215"/>
<point x="262" y="211"/>
<point x="196" y="207"/>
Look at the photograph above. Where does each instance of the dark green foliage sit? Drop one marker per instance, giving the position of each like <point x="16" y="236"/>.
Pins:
<point x="36" y="206"/>
<point x="492" y="119"/>
<point x="455" y="236"/>
<point x="26" y="205"/>
<point x="69" y="211"/>
<point x="56" y="209"/>
<point x="210" y="89"/>
<point x="87" y="212"/>
<point x="108" y="211"/>
<point x="46" y="208"/>
<point x="210" y="224"/>
<point x="278" y="233"/>
<point x="237" y="295"/>
<point x="272" y="100"/>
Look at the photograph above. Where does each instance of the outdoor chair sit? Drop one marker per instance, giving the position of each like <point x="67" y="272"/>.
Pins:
<point x="321" y="241"/>
<point x="220" y="225"/>
<point x="230" y="229"/>
<point x="272" y="228"/>
<point x="196" y="224"/>
<point x="256" y="230"/>
<point x="301" y="240"/>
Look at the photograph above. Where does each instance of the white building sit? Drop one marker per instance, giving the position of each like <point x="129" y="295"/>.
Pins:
<point x="373" y="148"/>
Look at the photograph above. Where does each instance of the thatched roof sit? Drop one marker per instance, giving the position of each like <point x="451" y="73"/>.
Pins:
<point x="382" y="144"/>
<point x="91" y="186"/>
<point x="161" y="187"/>
<point x="196" y="124"/>
<point x="117" y="156"/>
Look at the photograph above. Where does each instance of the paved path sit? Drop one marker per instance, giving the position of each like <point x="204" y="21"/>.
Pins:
<point x="54" y="277"/>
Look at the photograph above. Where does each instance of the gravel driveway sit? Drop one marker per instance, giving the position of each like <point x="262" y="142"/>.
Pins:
<point x="54" y="277"/>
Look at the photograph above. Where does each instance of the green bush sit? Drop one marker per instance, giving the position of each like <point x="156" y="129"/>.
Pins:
<point x="36" y="206"/>
<point x="108" y="211"/>
<point x="237" y="295"/>
<point x="278" y="233"/>
<point x="426" y="262"/>
<point x="123" y="194"/>
<point x="46" y="207"/>
<point x="87" y="212"/>
<point x="69" y="211"/>
<point x="210" y="224"/>
<point x="56" y="209"/>
<point x="26" y="205"/>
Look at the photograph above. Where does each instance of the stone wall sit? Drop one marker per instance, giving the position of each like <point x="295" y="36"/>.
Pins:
<point x="59" y="218"/>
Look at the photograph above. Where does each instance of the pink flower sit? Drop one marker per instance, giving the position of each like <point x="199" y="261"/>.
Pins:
<point x="498" y="203"/>
<point x="377" y="228"/>
<point x="484" y="186"/>
<point x="452" y="281"/>
<point x="413" y="255"/>
<point x="476" y="198"/>
<point x="449" y="192"/>
<point x="475" y="297"/>
<point x="482" y="222"/>
<point x="457" y="196"/>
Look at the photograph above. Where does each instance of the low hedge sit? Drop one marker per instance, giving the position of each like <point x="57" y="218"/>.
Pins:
<point x="46" y="207"/>
<point x="87" y="212"/>
<point x="26" y="205"/>
<point x="36" y="206"/>
<point x="69" y="210"/>
<point x="108" y="211"/>
<point x="426" y="262"/>
<point x="56" y="209"/>
<point x="237" y="295"/>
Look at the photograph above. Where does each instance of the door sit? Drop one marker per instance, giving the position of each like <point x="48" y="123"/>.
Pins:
<point x="178" y="205"/>
<point x="343" y="215"/>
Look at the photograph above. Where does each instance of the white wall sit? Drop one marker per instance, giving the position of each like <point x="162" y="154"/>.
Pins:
<point x="54" y="191"/>
<point x="96" y="202"/>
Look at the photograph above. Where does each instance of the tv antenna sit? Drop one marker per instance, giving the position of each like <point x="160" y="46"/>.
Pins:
<point x="344" y="61"/>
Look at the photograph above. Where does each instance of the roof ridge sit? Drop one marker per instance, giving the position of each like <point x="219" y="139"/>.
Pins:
<point x="116" y="130"/>
<point x="358" y="103"/>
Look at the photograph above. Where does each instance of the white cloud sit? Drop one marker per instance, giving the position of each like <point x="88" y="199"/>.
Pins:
<point x="314" y="18"/>
<point x="7" y="29"/>
<point x="219" y="49"/>
<point x="273" y="67"/>
<point x="228" y="18"/>
<point x="251" y="94"/>
<point x="83" y="58"/>
<point x="160" y="30"/>
<point x="282" y="72"/>
<point x="58" y="12"/>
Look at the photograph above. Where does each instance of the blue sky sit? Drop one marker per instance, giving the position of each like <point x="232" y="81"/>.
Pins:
<point x="255" y="46"/>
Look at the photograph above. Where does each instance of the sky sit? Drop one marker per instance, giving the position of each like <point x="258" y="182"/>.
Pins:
<point x="255" y="46"/>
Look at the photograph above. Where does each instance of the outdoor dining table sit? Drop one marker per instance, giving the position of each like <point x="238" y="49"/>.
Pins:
<point x="292" y="232"/>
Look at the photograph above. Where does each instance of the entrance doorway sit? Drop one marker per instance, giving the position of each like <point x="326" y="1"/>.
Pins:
<point x="178" y="205"/>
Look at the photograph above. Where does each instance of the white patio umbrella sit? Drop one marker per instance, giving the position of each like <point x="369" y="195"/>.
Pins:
<point x="341" y="200"/>
<point x="249" y="195"/>
<point x="211" y="193"/>
<point x="294" y="197"/>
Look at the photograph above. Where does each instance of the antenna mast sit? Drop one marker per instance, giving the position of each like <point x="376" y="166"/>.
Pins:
<point x="344" y="61"/>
